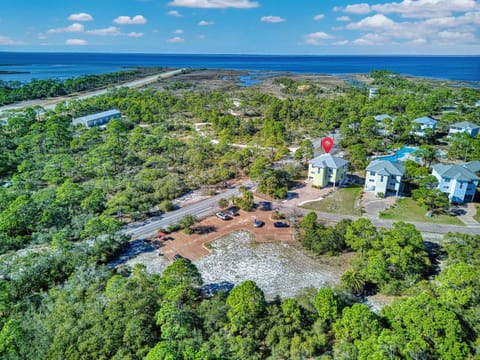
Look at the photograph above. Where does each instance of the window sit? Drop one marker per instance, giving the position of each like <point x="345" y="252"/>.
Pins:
<point x="447" y="180"/>
<point x="381" y="178"/>
<point x="461" y="185"/>
<point x="372" y="173"/>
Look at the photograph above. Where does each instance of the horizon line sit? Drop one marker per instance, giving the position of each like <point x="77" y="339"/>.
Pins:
<point x="235" y="54"/>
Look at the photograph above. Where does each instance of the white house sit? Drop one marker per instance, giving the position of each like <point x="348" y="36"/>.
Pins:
<point x="384" y="176"/>
<point x="464" y="127"/>
<point x="381" y="120"/>
<point x="327" y="169"/>
<point x="420" y="125"/>
<point x="457" y="181"/>
<point x="372" y="92"/>
<point x="97" y="119"/>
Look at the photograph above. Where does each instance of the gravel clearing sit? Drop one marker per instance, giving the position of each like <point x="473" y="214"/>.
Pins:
<point x="277" y="268"/>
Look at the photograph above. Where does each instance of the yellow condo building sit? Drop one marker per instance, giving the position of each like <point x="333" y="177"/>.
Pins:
<point x="327" y="169"/>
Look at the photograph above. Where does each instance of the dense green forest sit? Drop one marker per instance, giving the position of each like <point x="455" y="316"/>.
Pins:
<point x="14" y="91"/>
<point x="68" y="190"/>
<point x="69" y="305"/>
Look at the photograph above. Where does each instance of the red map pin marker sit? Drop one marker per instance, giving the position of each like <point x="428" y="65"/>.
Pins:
<point x="327" y="144"/>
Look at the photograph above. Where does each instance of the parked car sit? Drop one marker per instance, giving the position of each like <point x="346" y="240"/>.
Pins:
<point x="178" y="257"/>
<point x="266" y="205"/>
<point x="258" y="223"/>
<point x="232" y="212"/>
<point x="280" y="224"/>
<point x="222" y="215"/>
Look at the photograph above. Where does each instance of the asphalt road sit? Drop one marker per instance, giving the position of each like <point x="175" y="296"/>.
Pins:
<point x="200" y="209"/>
<point x="49" y="104"/>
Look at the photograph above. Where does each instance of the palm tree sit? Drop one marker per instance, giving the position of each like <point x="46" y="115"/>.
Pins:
<point x="428" y="154"/>
<point x="354" y="280"/>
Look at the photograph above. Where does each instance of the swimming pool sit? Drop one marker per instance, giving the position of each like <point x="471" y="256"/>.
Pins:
<point x="402" y="154"/>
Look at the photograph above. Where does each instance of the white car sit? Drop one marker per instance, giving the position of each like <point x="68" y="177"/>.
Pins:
<point x="222" y="216"/>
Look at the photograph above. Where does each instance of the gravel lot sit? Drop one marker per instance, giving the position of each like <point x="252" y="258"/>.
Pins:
<point x="277" y="268"/>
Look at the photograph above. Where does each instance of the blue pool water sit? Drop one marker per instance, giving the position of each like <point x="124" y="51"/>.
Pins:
<point x="401" y="155"/>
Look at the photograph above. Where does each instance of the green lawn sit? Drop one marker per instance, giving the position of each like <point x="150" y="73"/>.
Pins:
<point x="343" y="201"/>
<point x="408" y="210"/>
<point x="477" y="215"/>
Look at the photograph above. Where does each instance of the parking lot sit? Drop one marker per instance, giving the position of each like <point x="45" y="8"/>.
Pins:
<point x="193" y="246"/>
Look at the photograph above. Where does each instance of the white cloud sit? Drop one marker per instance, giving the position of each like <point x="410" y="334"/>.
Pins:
<point x="456" y="35"/>
<point x="179" y="31"/>
<point x="205" y="23"/>
<point x="372" y="39"/>
<point x="5" y="40"/>
<point x="76" y="42"/>
<point x="426" y="8"/>
<point x="419" y="41"/>
<point x="127" y="20"/>
<point x="362" y="8"/>
<point x="110" y="31"/>
<point x="174" y="13"/>
<point x="343" y="18"/>
<point x="319" y="17"/>
<point x="215" y="4"/>
<point x="341" y="43"/>
<point x="377" y="21"/>
<point x="42" y="36"/>
<point x="272" y="19"/>
<point x="134" y="34"/>
<point x="176" y="40"/>
<point x="80" y="17"/>
<point x="316" y="38"/>
<point x="75" y="27"/>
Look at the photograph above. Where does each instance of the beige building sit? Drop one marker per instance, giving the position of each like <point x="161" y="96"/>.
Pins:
<point x="327" y="169"/>
<point x="384" y="177"/>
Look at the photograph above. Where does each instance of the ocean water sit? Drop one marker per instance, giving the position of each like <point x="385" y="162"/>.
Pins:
<point x="66" y="65"/>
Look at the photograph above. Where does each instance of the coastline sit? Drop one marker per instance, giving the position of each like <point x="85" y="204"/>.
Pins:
<point x="462" y="68"/>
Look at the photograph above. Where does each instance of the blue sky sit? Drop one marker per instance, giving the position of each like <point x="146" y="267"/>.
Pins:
<point x="242" y="26"/>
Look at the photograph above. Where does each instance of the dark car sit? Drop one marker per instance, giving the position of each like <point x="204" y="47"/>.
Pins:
<point x="232" y="212"/>
<point x="258" y="223"/>
<point x="280" y="224"/>
<point x="178" y="257"/>
<point x="266" y="205"/>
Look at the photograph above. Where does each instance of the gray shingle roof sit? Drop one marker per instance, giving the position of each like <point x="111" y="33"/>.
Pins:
<point x="85" y="119"/>
<point x="473" y="166"/>
<point x="425" y="120"/>
<point x="464" y="125"/>
<point x="328" y="161"/>
<point x="457" y="172"/>
<point x="383" y="116"/>
<point x="386" y="167"/>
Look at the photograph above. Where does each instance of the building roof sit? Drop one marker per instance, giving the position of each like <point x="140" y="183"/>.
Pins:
<point x="383" y="116"/>
<point x="427" y="120"/>
<point x="85" y="119"/>
<point x="386" y="167"/>
<point x="464" y="125"/>
<point x="473" y="166"/>
<point x="328" y="161"/>
<point x="457" y="172"/>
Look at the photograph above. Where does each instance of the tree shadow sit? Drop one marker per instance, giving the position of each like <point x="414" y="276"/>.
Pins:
<point x="209" y="290"/>
<point x="207" y="229"/>
<point x="134" y="248"/>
